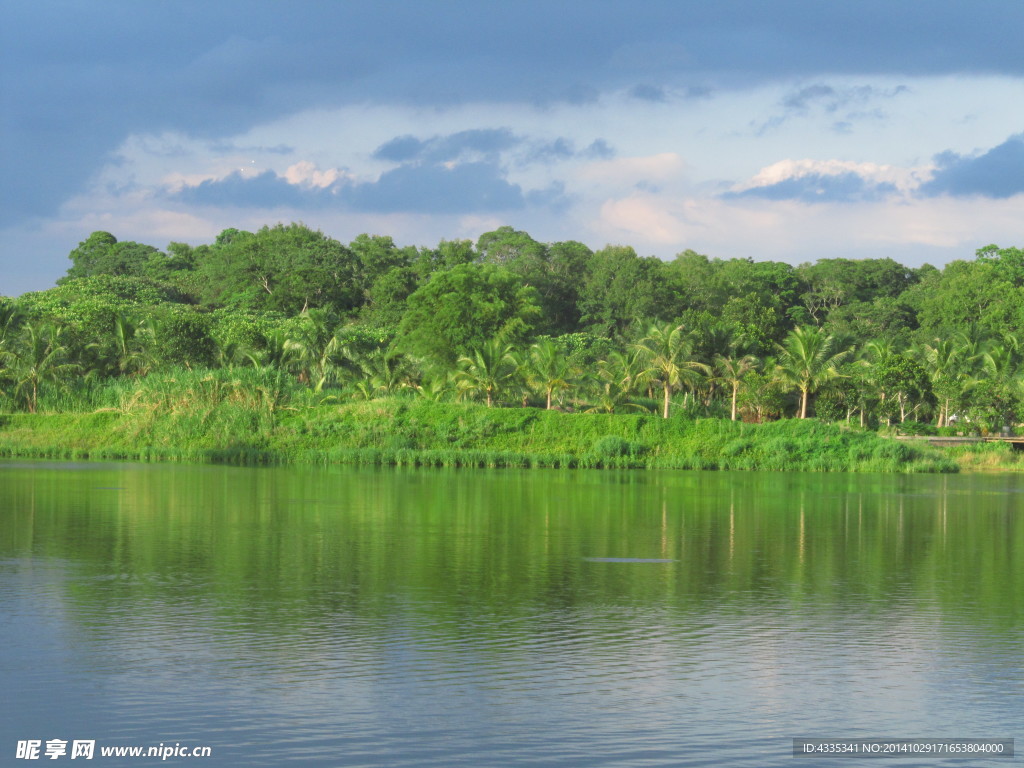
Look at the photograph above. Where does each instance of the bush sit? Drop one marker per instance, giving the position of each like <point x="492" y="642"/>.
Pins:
<point x="917" y="428"/>
<point x="613" y="446"/>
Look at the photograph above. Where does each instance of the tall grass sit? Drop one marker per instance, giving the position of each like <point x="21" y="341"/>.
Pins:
<point x="248" y="416"/>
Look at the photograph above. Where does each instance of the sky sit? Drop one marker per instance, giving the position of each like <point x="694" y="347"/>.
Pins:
<point x="790" y="130"/>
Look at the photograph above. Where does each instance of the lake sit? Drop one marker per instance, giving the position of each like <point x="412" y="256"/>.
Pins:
<point x="374" y="617"/>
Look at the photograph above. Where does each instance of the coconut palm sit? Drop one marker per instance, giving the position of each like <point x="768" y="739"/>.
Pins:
<point x="808" y="358"/>
<point x="668" y="351"/>
<point x="617" y="378"/>
<point x="385" y="371"/>
<point x="133" y="345"/>
<point x="315" y="349"/>
<point x="732" y="370"/>
<point x="37" y="357"/>
<point x="941" y="361"/>
<point x="488" y="369"/>
<point x="548" y="370"/>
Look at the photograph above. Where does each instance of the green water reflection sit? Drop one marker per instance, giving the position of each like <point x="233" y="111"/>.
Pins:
<point x="264" y="539"/>
<point x="543" y="617"/>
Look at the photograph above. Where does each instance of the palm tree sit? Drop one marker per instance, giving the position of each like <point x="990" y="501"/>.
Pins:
<point x="732" y="371"/>
<point x="385" y="371"/>
<point x="808" y="359"/>
<point x="941" y="361"/>
<point x="668" y="351"/>
<point x="1001" y="367"/>
<point x="38" y="357"/>
<point x="133" y="344"/>
<point x="548" y="369"/>
<point x="315" y="348"/>
<point x="617" y="377"/>
<point x="488" y="369"/>
<point x="279" y="352"/>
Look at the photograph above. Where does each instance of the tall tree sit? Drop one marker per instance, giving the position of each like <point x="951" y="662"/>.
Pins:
<point x="732" y="370"/>
<point x="487" y="369"/>
<point x="670" y="360"/>
<point x="459" y="309"/>
<point x="36" y="359"/>
<point x="548" y="369"/>
<point x="807" y="359"/>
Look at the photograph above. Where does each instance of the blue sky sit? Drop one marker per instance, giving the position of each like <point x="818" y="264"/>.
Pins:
<point x="790" y="130"/>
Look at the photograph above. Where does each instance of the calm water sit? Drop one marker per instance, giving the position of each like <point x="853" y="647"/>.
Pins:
<point x="448" y="618"/>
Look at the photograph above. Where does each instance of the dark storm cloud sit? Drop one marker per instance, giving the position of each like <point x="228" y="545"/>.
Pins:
<point x="76" y="78"/>
<point x="997" y="173"/>
<point x="847" y="187"/>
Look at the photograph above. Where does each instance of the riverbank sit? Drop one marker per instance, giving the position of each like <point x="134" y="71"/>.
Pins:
<point x="252" y="428"/>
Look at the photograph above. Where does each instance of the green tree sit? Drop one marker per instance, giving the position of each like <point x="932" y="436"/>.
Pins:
<point x="315" y="348"/>
<point x="619" y="288"/>
<point x="668" y="351"/>
<point x="807" y="359"/>
<point x="941" y="360"/>
<point x="131" y="341"/>
<point x="488" y="369"/>
<point x="36" y="359"/>
<point x="548" y="370"/>
<point x="732" y="370"/>
<point x="458" y="310"/>
<point x="900" y="382"/>
<point x="285" y="268"/>
<point x="618" y="377"/>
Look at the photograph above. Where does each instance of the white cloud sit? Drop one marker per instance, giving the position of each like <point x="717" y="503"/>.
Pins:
<point x="307" y="174"/>
<point x="904" y="179"/>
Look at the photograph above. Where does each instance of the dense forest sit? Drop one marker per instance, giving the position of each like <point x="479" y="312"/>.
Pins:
<point x="511" y="321"/>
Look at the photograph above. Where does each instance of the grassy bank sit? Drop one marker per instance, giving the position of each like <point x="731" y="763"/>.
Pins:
<point x="986" y="457"/>
<point x="220" y="418"/>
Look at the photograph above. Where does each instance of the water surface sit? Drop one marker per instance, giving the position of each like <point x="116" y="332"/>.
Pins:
<point x="504" y="618"/>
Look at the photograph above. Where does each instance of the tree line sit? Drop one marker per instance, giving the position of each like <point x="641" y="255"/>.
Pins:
<point x="512" y="321"/>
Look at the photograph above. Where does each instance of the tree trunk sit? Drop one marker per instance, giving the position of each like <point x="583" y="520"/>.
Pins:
<point x="735" y="389"/>
<point x="666" y="401"/>
<point x="803" y="403"/>
<point x="549" y="399"/>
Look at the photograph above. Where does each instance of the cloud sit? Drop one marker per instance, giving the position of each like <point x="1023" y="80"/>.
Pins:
<point x="803" y="98"/>
<point x="465" y="188"/>
<point x="436" y="188"/>
<point x="482" y="142"/>
<point x="826" y="181"/>
<point x="265" y="190"/>
<point x="645" y="92"/>
<point x="75" y="83"/>
<point x="489" y="145"/>
<point x="997" y="173"/>
<point x="849" y="103"/>
<point x="820" y="188"/>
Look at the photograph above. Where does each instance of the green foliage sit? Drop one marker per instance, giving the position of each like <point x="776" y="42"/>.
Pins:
<point x="184" y="337"/>
<point x="372" y="319"/>
<point x="102" y="254"/>
<point x="464" y="307"/>
<point x="620" y="288"/>
<point x="260" y="416"/>
<point x="281" y="268"/>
